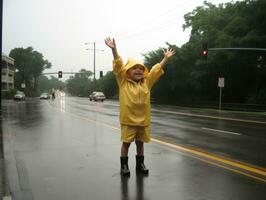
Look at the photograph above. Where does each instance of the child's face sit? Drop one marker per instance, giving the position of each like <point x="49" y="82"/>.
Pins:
<point x="136" y="73"/>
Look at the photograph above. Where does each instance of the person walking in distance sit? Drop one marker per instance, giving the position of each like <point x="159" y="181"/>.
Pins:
<point x="135" y="82"/>
<point x="53" y="94"/>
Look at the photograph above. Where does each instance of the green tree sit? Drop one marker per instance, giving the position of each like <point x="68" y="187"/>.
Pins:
<point x="108" y="85"/>
<point x="230" y="25"/>
<point x="29" y="64"/>
<point x="189" y="78"/>
<point x="46" y="84"/>
<point x="80" y="84"/>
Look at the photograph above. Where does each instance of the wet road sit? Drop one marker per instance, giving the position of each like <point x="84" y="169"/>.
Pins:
<point x="69" y="149"/>
<point x="240" y="136"/>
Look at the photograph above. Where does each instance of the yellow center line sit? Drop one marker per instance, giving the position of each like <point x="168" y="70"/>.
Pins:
<point x="212" y="157"/>
<point x="201" y="154"/>
<point x="228" y="168"/>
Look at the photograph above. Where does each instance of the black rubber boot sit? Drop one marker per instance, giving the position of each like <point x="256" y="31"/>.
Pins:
<point x="124" y="166"/>
<point x="140" y="167"/>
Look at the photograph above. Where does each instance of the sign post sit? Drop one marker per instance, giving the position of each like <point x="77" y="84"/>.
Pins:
<point x="220" y="85"/>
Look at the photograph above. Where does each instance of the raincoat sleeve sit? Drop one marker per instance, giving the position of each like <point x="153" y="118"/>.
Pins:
<point x="117" y="69"/>
<point x="154" y="74"/>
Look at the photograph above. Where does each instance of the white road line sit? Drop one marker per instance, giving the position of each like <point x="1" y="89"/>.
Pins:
<point x="209" y="116"/>
<point x="221" y="131"/>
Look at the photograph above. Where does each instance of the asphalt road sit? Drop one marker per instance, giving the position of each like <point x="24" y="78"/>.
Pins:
<point x="236" y="135"/>
<point x="69" y="149"/>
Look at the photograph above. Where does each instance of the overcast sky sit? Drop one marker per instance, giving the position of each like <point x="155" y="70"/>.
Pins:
<point x="59" y="29"/>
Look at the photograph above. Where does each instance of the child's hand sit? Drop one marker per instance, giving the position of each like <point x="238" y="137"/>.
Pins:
<point x="110" y="43"/>
<point x="168" y="53"/>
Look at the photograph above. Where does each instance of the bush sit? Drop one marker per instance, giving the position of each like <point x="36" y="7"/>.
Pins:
<point x="8" y="94"/>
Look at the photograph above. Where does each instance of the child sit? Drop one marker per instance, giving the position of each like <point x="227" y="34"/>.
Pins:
<point x="135" y="82"/>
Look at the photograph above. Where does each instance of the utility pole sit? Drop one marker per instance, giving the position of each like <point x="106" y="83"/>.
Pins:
<point x="94" y="47"/>
<point x="94" y="59"/>
<point x="1" y="26"/>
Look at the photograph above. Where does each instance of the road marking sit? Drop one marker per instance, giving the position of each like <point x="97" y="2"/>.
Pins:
<point x="210" y="117"/>
<point x="214" y="158"/>
<point x="203" y="116"/>
<point x="228" y="168"/>
<point x="198" y="154"/>
<point x="220" y="131"/>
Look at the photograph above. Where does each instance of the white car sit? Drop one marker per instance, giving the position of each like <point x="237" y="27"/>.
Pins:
<point x="45" y="96"/>
<point x="97" y="96"/>
<point x="19" y="96"/>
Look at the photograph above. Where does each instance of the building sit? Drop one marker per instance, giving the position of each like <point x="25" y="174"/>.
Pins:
<point x="8" y="71"/>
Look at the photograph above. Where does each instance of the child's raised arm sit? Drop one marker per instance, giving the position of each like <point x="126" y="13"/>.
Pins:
<point x="167" y="54"/>
<point x="111" y="43"/>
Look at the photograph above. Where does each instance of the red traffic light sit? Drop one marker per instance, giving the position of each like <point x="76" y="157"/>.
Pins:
<point x="205" y="53"/>
<point x="204" y="50"/>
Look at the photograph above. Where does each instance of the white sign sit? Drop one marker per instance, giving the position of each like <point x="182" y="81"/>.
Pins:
<point x="221" y="82"/>
<point x="23" y="85"/>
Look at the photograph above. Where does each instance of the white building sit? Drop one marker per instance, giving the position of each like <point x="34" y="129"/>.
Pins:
<point x="8" y="72"/>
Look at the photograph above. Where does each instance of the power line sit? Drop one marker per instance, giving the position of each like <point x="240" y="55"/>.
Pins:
<point x="150" y="29"/>
<point x="152" y="19"/>
<point x="164" y="13"/>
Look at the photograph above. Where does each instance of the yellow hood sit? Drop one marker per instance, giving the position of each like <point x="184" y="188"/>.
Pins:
<point x="132" y="62"/>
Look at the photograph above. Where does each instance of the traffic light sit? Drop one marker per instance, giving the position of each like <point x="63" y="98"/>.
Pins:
<point x="204" y="50"/>
<point x="101" y="74"/>
<point x="260" y="62"/>
<point x="60" y="73"/>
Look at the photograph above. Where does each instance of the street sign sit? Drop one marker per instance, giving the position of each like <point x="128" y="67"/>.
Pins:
<point x="221" y="82"/>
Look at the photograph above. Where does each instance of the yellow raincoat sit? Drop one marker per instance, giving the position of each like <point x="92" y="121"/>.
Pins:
<point x="135" y="97"/>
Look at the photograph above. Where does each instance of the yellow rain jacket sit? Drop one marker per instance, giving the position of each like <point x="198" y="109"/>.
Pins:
<point x="135" y="97"/>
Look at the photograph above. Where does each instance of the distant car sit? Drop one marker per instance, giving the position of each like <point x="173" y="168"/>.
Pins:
<point x="19" y="96"/>
<point x="97" y="96"/>
<point x="44" y="96"/>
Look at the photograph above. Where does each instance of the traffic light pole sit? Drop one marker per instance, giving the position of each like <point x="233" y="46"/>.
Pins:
<point x="238" y="48"/>
<point x="48" y="73"/>
<point x="205" y="49"/>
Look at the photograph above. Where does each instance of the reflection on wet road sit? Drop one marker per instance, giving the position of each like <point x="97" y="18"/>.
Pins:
<point x="69" y="149"/>
<point x="240" y="136"/>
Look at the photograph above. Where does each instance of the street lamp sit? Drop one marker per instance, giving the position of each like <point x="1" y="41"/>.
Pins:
<point x="94" y="57"/>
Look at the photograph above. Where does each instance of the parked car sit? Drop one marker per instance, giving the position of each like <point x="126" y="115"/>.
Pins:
<point x="44" y="96"/>
<point x="19" y="96"/>
<point x="97" y="96"/>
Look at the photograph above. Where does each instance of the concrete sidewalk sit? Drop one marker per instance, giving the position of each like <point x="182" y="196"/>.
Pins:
<point x="4" y="187"/>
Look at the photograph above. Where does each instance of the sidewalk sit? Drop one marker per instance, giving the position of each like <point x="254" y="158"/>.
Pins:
<point x="4" y="188"/>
